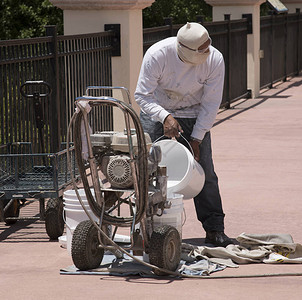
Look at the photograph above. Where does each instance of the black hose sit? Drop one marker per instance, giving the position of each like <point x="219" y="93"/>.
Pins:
<point x="97" y="209"/>
<point x="141" y="164"/>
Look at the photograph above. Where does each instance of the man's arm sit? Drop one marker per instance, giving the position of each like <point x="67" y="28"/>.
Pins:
<point x="211" y="100"/>
<point x="150" y="74"/>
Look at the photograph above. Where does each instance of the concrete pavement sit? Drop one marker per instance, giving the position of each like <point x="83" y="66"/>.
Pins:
<point x="257" y="149"/>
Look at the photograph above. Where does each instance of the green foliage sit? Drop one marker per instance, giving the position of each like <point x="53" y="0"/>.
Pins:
<point x="181" y="11"/>
<point x="27" y="18"/>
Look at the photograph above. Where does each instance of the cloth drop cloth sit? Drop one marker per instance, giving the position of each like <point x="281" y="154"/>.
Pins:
<point x="252" y="248"/>
<point x="203" y="260"/>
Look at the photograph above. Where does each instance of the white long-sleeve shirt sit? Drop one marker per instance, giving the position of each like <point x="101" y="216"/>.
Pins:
<point x="166" y="85"/>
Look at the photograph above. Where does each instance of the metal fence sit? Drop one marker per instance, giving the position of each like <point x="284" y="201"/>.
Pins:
<point x="69" y="64"/>
<point x="281" y="45"/>
<point x="230" y="38"/>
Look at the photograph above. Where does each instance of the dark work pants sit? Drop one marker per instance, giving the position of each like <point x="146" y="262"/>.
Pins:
<point x="208" y="202"/>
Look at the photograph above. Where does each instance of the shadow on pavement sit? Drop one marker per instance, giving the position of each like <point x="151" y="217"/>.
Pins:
<point x="23" y="231"/>
<point x="260" y="99"/>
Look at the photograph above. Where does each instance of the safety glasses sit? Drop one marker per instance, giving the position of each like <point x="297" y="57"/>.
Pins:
<point x="198" y="50"/>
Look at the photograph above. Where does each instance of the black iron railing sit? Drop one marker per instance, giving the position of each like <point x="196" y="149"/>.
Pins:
<point x="69" y="64"/>
<point x="281" y="47"/>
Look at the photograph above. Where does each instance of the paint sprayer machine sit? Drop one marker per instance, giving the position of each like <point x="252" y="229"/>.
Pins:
<point x="125" y="179"/>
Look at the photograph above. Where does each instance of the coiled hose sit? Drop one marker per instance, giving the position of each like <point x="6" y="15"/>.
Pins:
<point x="141" y="167"/>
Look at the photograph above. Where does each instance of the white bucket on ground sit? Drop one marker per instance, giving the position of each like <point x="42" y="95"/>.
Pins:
<point x="172" y="216"/>
<point x="74" y="213"/>
<point x="63" y="241"/>
<point x="175" y="199"/>
<point x="71" y="197"/>
<point x="185" y="174"/>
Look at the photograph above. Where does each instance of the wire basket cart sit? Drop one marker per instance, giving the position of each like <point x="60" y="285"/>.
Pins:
<point x="27" y="176"/>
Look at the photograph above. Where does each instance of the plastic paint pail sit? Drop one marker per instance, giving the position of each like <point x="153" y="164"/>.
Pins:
<point x="74" y="213"/>
<point x="172" y="216"/>
<point x="185" y="174"/>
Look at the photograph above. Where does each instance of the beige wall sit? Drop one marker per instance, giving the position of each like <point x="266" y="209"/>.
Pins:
<point x="236" y="9"/>
<point x="292" y="5"/>
<point x="125" y="69"/>
<point x="236" y="12"/>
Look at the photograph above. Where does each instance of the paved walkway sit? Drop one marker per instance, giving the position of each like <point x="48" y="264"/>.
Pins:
<point x="257" y="148"/>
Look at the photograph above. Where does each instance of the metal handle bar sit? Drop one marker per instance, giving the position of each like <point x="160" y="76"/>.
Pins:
<point x="123" y="89"/>
<point x="37" y="83"/>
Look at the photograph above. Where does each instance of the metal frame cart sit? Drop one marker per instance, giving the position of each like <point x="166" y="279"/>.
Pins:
<point x="27" y="176"/>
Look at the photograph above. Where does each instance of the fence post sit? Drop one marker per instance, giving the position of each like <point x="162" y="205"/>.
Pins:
<point x="271" y="49"/>
<point x="298" y="41"/>
<point x="227" y="17"/>
<point x="199" y="19"/>
<point x="54" y="77"/>
<point x="116" y="40"/>
<point x="285" y="46"/>
<point x="169" y="21"/>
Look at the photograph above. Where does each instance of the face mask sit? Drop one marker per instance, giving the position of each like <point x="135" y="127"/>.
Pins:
<point x="191" y="57"/>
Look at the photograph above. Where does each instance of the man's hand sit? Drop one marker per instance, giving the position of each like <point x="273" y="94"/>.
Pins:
<point x="171" y="127"/>
<point x="195" y="147"/>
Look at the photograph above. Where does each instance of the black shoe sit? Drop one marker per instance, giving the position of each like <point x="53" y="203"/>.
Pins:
<point x="218" y="239"/>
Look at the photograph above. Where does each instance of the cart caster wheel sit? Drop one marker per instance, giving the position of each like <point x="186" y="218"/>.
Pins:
<point x="85" y="251"/>
<point x="165" y="249"/>
<point x="54" y="222"/>
<point x="12" y="211"/>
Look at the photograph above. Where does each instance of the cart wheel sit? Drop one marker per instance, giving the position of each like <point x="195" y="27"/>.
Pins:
<point x="85" y="251"/>
<point x="54" y="222"/>
<point x="12" y="211"/>
<point x="165" y="248"/>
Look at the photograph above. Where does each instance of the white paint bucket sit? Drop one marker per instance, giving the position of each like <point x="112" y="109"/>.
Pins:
<point x="71" y="197"/>
<point x="172" y="216"/>
<point x="185" y="174"/>
<point x="63" y="241"/>
<point x="175" y="199"/>
<point x="74" y="213"/>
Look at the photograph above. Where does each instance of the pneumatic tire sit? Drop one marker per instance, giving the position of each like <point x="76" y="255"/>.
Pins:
<point x="54" y="222"/>
<point x="165" y="248"/>
<point x="85" y="247"/>
<point x="12" y="211"/>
